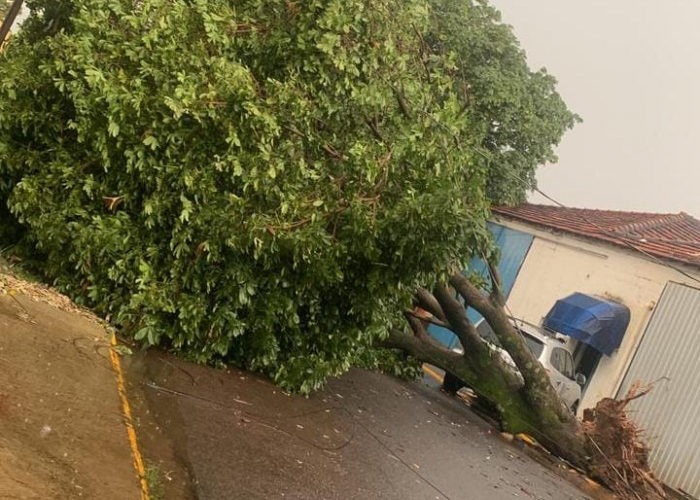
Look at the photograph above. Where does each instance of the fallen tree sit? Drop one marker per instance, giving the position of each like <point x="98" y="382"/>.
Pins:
<point x="531" y="405"/>
<point x="607" y="444"/>
<point x="266" y="183"/>
<point x="273" y="195"/>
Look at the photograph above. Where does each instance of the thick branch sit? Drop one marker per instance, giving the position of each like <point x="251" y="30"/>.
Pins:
<point x="457" y="318"/>
<point x="538" y="388"/>
<point x="501" y="325"/>
<point x="423" y="349"/>
<point x="427" y="301"/>
<point x="471" y="294"/>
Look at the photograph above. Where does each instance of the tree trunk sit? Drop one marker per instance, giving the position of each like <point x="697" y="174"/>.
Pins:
<point x="532" y="407"/>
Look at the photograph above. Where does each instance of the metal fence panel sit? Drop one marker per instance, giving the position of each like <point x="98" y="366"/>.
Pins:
<point x="670" y="414"/>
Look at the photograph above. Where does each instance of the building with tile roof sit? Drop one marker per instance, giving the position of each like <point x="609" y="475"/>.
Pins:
<point x="669" y="236"/>
<point x="647" y="264"/>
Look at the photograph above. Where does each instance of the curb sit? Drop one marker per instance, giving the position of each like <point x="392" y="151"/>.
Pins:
<point x="128" y="420"/>
<point x="580" y="480"/>
<point x="583" y="482"/>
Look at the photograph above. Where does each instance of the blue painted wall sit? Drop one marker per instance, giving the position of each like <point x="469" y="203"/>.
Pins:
<point x="514" y="246"/>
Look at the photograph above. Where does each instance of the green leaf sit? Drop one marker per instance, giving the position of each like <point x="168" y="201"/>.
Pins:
<point x="123" y="350"/>
<point x="113" y="129"/>
<point x="151" y="141"/>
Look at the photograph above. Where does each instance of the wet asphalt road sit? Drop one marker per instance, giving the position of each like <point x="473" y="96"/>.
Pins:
<point x="233" y="435"/>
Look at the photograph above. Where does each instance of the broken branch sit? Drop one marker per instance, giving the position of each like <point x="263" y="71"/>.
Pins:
<point x="430" y="319"/>
<point x="416" y="325"/>
<point x="471" y="295"/>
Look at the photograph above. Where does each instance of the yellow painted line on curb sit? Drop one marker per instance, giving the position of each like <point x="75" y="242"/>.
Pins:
<point x="592" y="483"/>
<point x="528" y="439"/>
<point x="433" y="374"/>
<point x="128" y="420"/>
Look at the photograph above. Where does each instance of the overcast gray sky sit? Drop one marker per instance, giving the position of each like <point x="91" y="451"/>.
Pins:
<point x="631" y="69"/>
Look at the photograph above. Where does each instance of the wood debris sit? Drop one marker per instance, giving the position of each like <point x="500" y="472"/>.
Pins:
<point x="619" y="455"/>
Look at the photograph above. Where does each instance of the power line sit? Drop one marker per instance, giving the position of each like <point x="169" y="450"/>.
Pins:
<point x="624" y="241"/>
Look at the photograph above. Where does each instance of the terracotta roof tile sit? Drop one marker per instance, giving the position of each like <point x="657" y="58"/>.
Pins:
<point x="670" y="236"/>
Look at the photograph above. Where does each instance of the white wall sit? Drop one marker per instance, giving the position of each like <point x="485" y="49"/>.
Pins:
<point x="558" y="265"/>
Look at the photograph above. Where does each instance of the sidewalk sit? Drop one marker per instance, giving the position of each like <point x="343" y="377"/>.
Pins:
<point x="62" y="431"/>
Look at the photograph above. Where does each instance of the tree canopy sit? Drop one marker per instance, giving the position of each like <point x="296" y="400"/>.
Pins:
<point x="518" y="112"/>
<point x="264" y="182"/>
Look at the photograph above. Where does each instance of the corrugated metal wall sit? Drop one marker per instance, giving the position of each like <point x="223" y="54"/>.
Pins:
<point x="514" y="246"/>
<point x="669" y="354"/>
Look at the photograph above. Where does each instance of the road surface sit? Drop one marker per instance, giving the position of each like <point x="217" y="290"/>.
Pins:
<point x="366" y="435"/>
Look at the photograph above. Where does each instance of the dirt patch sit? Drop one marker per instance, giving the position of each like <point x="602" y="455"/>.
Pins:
<point x="12" y="286"/>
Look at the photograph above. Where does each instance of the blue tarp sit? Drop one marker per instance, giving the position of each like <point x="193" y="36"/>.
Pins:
<point x="597" y="322"/>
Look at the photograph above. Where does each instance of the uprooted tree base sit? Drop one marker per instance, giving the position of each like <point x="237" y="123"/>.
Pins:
<point x="619" y="458"/>
<point x="531" y="405"/>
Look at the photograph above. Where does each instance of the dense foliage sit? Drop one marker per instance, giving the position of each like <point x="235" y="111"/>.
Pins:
<point x="518" y="113"/>
<point x="263" y="182"/>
